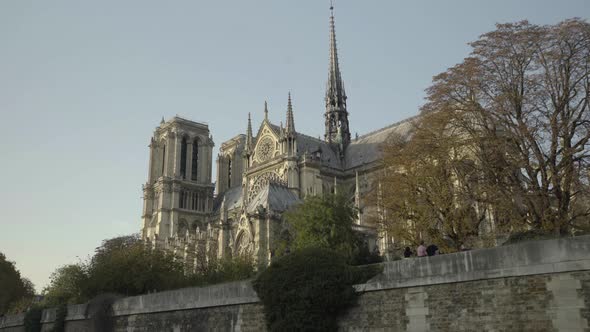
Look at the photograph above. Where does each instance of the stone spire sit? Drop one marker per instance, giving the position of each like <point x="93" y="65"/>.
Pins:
<point x="290" y="124"/>
<point x="336" y="115"/>
<point x="265" y="110"/>
<point x="249" y="136"/>
<point x="289" y="136"/>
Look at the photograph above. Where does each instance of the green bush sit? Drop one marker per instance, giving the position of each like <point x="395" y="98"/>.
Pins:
<point x="223" y="270"/>
<point x="307" y="289"/>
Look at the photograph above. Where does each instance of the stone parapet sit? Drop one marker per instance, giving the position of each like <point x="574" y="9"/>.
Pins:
<point x="531" y="286"/>
<point x="232" y="293"/>
<point x="527" y="258"/>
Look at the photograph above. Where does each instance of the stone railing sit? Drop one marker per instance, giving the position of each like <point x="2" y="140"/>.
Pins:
<point x="556" y="267"/>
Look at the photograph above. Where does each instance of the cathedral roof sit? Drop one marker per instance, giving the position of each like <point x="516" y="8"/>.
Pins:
<point x="273" y="197"/>
<point x="365" y="149"/>
<point x="310" y="145"/>
<point x="233" y="199"/>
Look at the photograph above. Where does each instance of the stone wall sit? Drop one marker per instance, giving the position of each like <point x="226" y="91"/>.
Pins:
<point x="533" y="286"/>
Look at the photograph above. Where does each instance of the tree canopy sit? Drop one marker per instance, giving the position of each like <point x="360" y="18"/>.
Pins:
<point x="503" y="137"/>
<point x="126" y="266"/>
<point x="324" y="221"/>
<point x="13" y="287"/>
<point x="327" y="221"/>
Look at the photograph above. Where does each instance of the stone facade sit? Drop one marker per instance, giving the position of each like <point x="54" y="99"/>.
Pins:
<point x="259" y="176"/>
<point x="535" y="286"/>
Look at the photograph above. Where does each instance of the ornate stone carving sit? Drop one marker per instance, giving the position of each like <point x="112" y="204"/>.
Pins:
<point x="262" y="180"/>
<point x="244" y="245"/>
<point x="265" y="149"/>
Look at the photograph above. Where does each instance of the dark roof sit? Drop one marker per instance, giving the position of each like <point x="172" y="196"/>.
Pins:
<point x="273" y="197"/>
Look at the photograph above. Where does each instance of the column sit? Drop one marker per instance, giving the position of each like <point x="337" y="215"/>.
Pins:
<point x="169" y="152"/>
<point x="151" y="165"/>
<point x="209" y="161"/>
<point x="218" y="182"/>
<point x="201" y="169"/>
<point x="189" y="159"/>
<point x="177" y="152"/>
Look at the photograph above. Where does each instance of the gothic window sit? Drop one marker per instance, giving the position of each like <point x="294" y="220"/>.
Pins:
<point x="243" y="246"/>
<point x="195" y="159"/>
<point x="229" y="172"/>
<point x="183" y="157"/>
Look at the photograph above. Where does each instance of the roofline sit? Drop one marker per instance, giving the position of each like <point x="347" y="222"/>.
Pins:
<point x="388" y="127"/>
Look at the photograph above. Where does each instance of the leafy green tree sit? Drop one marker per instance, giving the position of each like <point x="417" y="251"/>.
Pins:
<point x="124" y="265"/>
<point x="66" y="285"/>
<point x="13" y="288"/>
<point x="325" y="221"/>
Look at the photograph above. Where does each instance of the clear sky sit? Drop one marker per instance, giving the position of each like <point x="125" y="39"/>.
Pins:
<point x="84" y="83"/>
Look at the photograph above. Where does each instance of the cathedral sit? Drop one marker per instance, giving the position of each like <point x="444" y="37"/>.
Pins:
<point x="260" y="174"/>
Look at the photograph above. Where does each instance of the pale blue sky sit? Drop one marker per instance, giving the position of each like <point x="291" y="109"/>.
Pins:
<point x="84" y="83"/>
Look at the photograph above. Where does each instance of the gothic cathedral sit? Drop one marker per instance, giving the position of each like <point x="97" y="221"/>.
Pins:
<point x="258" y="178"/>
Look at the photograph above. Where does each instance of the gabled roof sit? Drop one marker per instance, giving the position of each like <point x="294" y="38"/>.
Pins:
<point x="273" y="197"/>
<point x="366" y="149"/>
<point x="309" y="144"/>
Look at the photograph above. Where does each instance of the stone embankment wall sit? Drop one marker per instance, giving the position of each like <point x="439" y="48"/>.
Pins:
<point x="533" y="286"/>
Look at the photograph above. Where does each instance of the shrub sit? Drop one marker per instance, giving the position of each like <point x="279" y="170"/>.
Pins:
<point x="308" y="289"/>
<point x="223" y="270"/>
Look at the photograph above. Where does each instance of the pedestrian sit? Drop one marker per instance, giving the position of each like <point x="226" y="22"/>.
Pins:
<point x="421" y="250"/>
<point x="408" y="252"/>
<point x="431" y="250"/>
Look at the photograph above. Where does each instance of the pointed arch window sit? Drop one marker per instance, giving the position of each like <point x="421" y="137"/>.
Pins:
<point x="195" y="159"/>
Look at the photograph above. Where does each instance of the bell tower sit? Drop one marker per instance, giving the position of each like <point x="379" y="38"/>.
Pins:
<point x="178" y="195"/>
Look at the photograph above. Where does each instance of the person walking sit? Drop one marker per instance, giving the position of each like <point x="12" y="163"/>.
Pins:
<point x="421" y="250"/>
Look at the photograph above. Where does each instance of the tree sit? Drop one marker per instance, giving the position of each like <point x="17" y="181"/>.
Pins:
<point x="124" y="265"/>
<point x="67" y="285"/>
<point x="530" y="86"/>
<point x="13" y="287"/>
<point x="324" y="221"/>
<point x="439" y="183"/>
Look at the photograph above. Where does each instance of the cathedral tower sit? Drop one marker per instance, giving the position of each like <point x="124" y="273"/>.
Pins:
<point x="337" y="131"/>
<point x="178" y="196"/>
